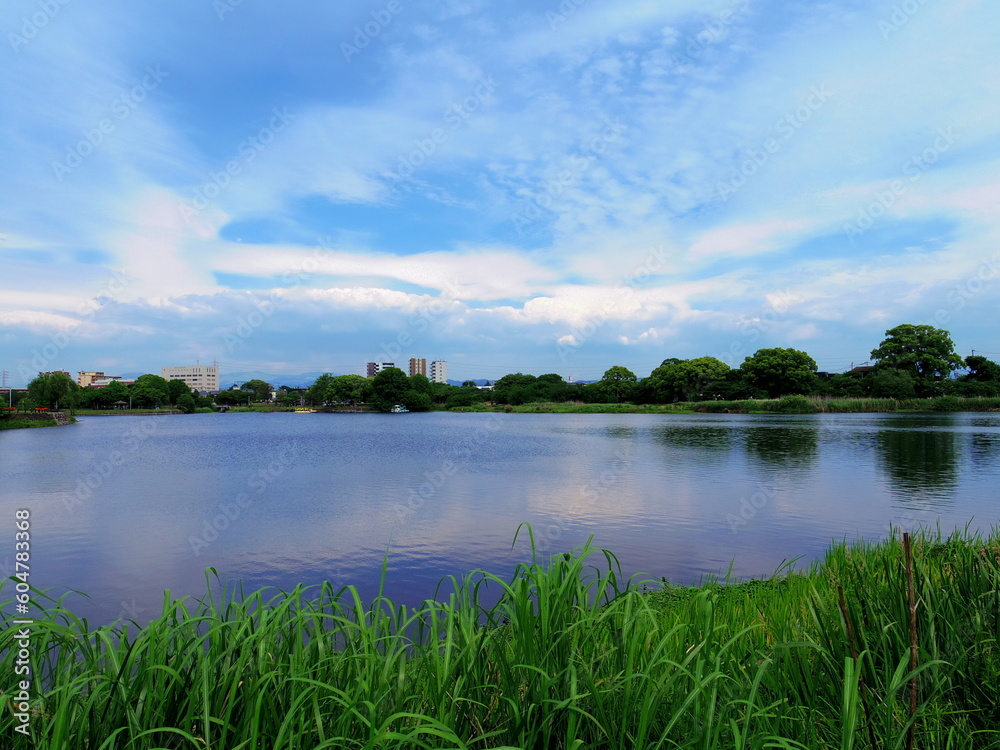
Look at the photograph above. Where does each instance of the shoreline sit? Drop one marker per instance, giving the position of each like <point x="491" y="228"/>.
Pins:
<point x="570" y="650"/>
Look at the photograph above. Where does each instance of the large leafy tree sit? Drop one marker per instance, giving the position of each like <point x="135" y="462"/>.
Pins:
<point x="176" y="389"/>
<point x="685" y="380"/>
<point x="981" y="369"/>
<point x="261" y="390"/>
<point x="388" y="388"/>
<point x="618" y="382"/>
<point x="354" y="389"/>
<point x="778" y="372"/>
<point x="52" y="389"/>
<point x="150" y="390"/>
<point x="116" y="391"/>
<point x="318" y="392"/>
<point x="925" y="352"/>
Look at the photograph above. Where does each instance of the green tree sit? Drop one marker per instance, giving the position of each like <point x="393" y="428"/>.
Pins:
<point x="319" y="391"/>
<point x="503" y="390"/>
<point x="981" y="369"/>
<point x="232" y="398"/>
<point x="52" y="390"/>
<point x="420" y="383"/>
<point x="466" y="397"/>
<point x="150" y="390"/>
<point x="260" y="389"/>
<point x="116" y="391"/>
<point x="685" y="380"/>
<point x="778" y="372"/>
<point x="186" y="403"/>
<point x="388" y="388"/>
<point x="925" y="352"/>
<point x="618" y="382"/>
<point x="890" y="384"/>
<point x="176" y="389"/>
<point x="414" y="400"/>
<point x="469" y="384"/>
<point x="353" y="389"/>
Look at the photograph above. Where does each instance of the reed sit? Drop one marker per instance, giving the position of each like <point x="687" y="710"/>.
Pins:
<point x="572" y="655"/>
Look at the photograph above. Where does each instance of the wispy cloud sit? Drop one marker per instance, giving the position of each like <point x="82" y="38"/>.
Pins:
<point x="510" y="166"/>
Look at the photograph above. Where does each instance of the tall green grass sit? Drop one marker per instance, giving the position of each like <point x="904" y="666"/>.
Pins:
<point x="571" y="656"/>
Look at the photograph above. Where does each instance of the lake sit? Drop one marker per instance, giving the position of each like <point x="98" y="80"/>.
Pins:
<point x="123" y="508"/>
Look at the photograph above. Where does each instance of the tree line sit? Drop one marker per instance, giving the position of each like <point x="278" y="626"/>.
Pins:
<point x="913" y="361"/>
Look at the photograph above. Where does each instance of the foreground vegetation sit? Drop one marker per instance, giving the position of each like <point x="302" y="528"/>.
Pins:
<point x="571" y="656"/>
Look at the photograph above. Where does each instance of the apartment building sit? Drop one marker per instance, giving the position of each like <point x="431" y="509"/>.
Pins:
<point x="84" y="379"/>
<point x="202" y="378"/>
<point x="418" y="367"/>
<point x="439" y="371"/>
<point x="374" y="368"/>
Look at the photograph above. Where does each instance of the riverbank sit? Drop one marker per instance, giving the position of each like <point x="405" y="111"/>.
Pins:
<point x="11" y="421"/>
<point x="571" y="656"/>
<point x="786" y="405"/>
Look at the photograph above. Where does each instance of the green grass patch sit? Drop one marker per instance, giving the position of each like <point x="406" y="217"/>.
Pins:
<point x="571" y="656"/>
<point x="18" y="424"/>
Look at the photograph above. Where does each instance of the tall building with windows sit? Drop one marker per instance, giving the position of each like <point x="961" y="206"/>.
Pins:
<point x="201" y="378"/>
<point x="418" y="367"/>
<point x="374" y="368"/>
<point x="439" y="371"/>
<point x="83" y="379"/>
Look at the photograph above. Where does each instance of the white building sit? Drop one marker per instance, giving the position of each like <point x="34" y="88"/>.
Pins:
<point x="374" y="368"/>
<point x="201" y="378"/>
<point x="439" y="371"/>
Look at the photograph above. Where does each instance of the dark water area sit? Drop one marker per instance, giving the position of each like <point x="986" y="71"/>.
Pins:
<point x="123" y="508"/>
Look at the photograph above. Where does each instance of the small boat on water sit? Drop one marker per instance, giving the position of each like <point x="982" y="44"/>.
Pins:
<point x="399" y="409"/>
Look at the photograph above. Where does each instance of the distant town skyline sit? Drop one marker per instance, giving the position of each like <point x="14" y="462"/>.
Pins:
<point x="520" y="187"/>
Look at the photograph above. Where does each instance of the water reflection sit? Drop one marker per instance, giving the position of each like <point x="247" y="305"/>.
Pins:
<point x="445" y="493"/>
<point x="699" y="437"/>
<point x="919" y="457"/>
<point x="782" y="445"/>
<point x="984" y="451"/>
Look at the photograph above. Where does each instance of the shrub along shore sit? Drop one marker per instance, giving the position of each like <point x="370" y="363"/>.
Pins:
<point x="786" y="405"/>
<point x="855" y="651"/>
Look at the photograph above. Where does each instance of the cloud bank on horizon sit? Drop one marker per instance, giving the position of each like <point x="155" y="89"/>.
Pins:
<point x="535" y="187"/>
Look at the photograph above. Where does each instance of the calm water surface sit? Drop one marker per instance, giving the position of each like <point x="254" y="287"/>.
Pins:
<point x="126" y="507"/>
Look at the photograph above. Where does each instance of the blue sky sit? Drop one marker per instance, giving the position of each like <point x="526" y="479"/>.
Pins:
<point x="536" y="187"/>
